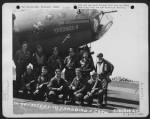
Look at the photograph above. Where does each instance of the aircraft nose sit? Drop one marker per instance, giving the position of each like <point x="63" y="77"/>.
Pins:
<point x="101" y="24"/>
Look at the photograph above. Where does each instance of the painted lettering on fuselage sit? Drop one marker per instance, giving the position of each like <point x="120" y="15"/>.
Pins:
<point x="66" y="28"/>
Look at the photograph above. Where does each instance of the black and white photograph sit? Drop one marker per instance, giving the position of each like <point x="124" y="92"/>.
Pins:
<point x="75" y="60"/>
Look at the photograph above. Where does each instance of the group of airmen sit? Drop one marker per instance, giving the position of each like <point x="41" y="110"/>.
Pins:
<point x="73" y="79"/>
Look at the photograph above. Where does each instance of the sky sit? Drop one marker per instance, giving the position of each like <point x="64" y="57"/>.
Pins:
<point x="126" y="43"/>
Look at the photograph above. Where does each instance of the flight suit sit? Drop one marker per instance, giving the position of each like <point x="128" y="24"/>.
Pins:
<point x="95" y="89"/>
<point x="77" y="89"/>
<point x="70" y="64"/>
<point x="57" y="89"/>
<point x="21" y="60"/>
<point x="41" y="87"/>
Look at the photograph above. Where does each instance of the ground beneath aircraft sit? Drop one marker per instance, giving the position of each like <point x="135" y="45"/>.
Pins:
<point x="121" y="95"/>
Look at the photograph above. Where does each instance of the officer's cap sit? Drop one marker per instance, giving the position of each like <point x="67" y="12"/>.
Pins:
<point x="100" y="55"/>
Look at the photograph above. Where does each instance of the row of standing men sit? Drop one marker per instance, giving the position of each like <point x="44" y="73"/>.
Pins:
<point x="83" y="64"/>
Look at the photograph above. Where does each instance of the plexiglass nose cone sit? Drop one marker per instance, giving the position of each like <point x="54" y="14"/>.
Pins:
<point x="101" y="24"/>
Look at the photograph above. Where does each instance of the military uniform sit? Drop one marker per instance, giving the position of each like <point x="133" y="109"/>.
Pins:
<point x="41" y="87"/>
<point x="95" y="89"/>
<point x="21" y="59"/>
<point x="77" y="89"/>
<point x="38" y="60"/>
<point x="86" y="67"/>
<point x="70" y="64"/>
<point x="104" y="69"/>
<point x="57" y="89"/>
<point x="53" y="63"/>
<point x="28" y="84"/>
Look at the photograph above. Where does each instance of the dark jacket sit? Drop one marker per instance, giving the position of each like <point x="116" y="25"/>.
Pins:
<point x="42" y="80"/>
<point x="28" y="78"/>
<point x="96" y="85"/>
<point x="54" y="62"/>
<point x="70" y="63"/>
<point x="78" y="84"/>
<point x="86" y="66"/>
<point x="38" y="60"/>
<point x="28" y="81"/>
<point x="21" y="58"/>
<point x="54" y="83"/>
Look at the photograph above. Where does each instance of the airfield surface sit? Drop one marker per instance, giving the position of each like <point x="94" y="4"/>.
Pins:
<point x="121" y="95"/>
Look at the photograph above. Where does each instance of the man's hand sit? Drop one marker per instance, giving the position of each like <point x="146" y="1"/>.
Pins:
<point x="93" y="90"/>
<point x="59" y="89"/>
<point x="75" y="93"/>
<point x="40" y="86"/>
<point x="36" y="91"/>
<point x="28" y="86"/>
<point x="89" y="94"/>
<point x="73" y="88"/>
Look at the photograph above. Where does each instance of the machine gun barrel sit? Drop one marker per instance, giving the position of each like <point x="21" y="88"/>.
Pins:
<point x="104" y="13"/>
<point x="110" y="11"/>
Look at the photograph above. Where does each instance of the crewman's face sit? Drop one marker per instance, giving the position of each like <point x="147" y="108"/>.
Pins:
<point x="94" y="76"/>
<point x="39" y="49"/>
<point x="58" y="74"/>
<point x="24" y="46"/>
<point x="85" y="55"/>
<point x="81" y="51"/>
<point x="55" y="52"/>
<point x="44" y="71"/>
<point x="71" y="53"/>
<point x="78" y="73"/>
<point x="100" y="58"/>
<point x="29" y="71"/>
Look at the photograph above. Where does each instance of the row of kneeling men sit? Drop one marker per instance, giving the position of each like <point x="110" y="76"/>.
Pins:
<point x="56" y="88"/>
